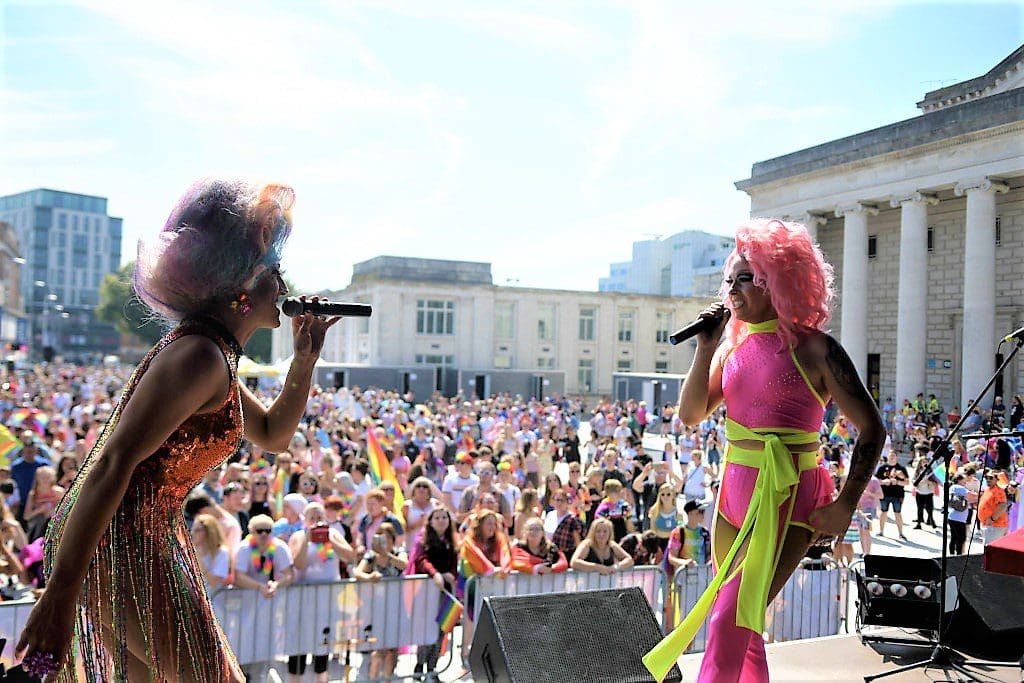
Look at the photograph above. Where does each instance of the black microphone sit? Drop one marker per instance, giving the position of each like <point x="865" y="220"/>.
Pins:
<point x="696" y="327"/>
<point x="293" y="307"/>
<point x="1017" y="335"/>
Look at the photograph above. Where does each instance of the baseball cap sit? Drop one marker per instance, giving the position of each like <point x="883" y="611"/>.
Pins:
<point x="692" y="505"/>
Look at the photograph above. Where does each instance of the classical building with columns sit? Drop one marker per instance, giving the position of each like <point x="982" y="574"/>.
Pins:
<point x="923" y="220"/>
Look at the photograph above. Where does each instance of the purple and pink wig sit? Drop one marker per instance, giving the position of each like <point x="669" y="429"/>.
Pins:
<point x="791" y="268"/>
<point x="221" y="234"/>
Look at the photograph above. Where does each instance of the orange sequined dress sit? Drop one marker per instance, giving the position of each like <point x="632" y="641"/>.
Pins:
<point x="144" y="589"/>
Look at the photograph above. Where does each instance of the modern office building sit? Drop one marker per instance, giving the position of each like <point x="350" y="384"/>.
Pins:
<point x="13" y="321"/>
<point x="69" y="243"/>
<point x="923" y="220"/>
<point x="684" y="264"/>
<point x="448" y="321"/>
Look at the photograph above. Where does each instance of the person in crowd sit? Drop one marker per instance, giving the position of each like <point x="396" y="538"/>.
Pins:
<point x="214" y="273"/>
<point x="599" y="552"/>
<point x="259" y="496"/>
<point x="690" y="543"/>
<point x="236" y="503"/>
<point x="67" y="470"/>
<point x="212" y="551"/>
<point x="924" y="491"/>
<point x="576" y="489"/>
<point x="528" y="508"/>
<point x="643" y="548"/>
<point x="291" y="516"/>
<point x="456" y="483"/>
<point x="570" y="446"/>
<point x="868" y="506"/>
<point x="545" y="448"/>
<point x="377" y="513"/>
<point x="435" y="554"/>
<point x="776" y="372"/>
<point x="485" y="552"/>
<point x="562" y="524"/>
<point x="615" y="509"/>
<point x="263" y="562"/>
<point x="535" y="554"/>
<point x="417" y="508"/>
<point x="992" y="509"/>
<point x="956" y="515"/>
<point x="696" y="478"/>
<point x="506" y="485"/>
<point x="316" y="551"/>
<point x="664" y="515"/>
<point x="552" y="483"/>
<point x="485" y="484"/>
<point x="646" y="491"/>
<point x="382" y="561"/>
<point x="24" y="462"/>
<point x="595" y="486"/>
<point x="42" y="501"/>
<point x="309" y="487"/>
<point x="894" y="478"/>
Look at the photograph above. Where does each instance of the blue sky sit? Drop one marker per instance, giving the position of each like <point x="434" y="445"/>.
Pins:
<point x="543" y="137"/>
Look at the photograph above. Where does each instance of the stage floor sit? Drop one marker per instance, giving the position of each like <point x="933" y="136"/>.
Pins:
<point x="844" y="658"/>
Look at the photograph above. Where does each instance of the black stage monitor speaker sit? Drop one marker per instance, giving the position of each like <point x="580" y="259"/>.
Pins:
<point x="987" y="621"/>
<point x="590" y="636"/>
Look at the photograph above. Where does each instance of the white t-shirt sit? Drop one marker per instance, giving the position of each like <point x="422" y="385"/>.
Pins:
<point x="282" y="561"/>
<point x="455" y="484"/>
<point x="512" y="495"/>
<point x="694" y="482"/>
<point x="218" y="564"/>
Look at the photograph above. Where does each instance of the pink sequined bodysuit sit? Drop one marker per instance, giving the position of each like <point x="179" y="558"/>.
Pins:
<point x="764" y="388"/>
<point x="767" y="390"/>
<point x="145" y="577"/>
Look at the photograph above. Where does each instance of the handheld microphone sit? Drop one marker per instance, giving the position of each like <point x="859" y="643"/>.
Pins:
<point x="293" y="306"/>
<point x="1017" y="335"/>
<point x="696" y="327"/>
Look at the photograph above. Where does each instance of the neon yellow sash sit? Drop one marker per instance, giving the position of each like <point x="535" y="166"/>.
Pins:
<point x="776" y="481"/>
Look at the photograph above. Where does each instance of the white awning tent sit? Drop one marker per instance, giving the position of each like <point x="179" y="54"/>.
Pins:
<point x="247" y="367"/>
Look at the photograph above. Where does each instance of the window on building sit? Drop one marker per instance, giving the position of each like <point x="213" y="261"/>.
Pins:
<point x="435" y="359"/>
<point x="999" y="231"/>
<point x="435" y="317"/>
<point x="545" y="362"/>
<point x="588" y="319"/>
<point x="664" y="325"/>
<point x="872" y="246"/>
<point x="363" y="326"/>
<point x="546" y="322"/>
<point x="624" y="365"/>
<point x="931" y="239"/>
<point x="626" y="326"/>
<point x="585" y="375"/>
<point x="661" y="366"/>
<point x="504" y="320"/>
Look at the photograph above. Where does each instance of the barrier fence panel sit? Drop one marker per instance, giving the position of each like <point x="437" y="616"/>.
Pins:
<point x="809" y="605"/>
<point x="320" y="618"/>
<point x="13" y="616"/>
<point x="650" y="579"/>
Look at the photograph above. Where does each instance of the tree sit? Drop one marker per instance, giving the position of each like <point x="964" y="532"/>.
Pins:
<point x="120" y="306"/>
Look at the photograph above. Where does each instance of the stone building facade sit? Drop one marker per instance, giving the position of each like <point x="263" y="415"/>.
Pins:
<point x="449" y="314"/>
<point x="924" y="222"/>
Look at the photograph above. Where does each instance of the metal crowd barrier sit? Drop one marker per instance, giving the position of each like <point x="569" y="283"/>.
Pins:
<point x="809" y="605"/>
<point x="327" y="618"/>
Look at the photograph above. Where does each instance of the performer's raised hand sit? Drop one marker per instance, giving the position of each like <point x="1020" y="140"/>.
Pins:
<point x="308" y="332"/>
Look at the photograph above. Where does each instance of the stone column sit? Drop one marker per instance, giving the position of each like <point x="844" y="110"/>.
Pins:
<point x="854" y="319"/>
<point x="912" y="316"/>
<point x="979" y="336"/>
<point x="812" y="221"/>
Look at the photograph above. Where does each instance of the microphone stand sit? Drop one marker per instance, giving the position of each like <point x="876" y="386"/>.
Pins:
<point x="943" y="656"/>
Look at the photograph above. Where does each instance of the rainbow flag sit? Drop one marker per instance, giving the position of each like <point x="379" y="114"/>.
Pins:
<point x="939" y="470"/>
<point x="449" y="612"/>
<point x="381" y="470"/>
<point x="8" y="442"/>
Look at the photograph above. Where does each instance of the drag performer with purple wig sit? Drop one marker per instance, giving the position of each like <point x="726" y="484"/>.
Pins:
<point x="125" y="587"/>
<point x="775" y="371"/>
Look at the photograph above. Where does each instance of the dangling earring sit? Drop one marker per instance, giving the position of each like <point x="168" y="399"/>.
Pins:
<point x="242" y="304"/>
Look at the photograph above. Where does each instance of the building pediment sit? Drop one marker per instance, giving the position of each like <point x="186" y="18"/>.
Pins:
<point x="1006" y="75"/>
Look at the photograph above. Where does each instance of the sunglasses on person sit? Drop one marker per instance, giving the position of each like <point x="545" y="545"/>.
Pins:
<point x="261" y="531"/>
<point x="560" y="499"/>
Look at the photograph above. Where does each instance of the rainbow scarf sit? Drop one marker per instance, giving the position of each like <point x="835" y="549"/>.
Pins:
<point x="259" y="564"/>
<point x="278" y="488"/>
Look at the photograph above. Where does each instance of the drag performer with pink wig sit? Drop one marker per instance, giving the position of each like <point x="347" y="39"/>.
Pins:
<point x="124" y="579"/>
<point x="775" y="371"/>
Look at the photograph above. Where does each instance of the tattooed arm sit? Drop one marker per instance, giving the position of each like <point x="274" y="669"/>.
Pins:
<point x="841" y="382"/>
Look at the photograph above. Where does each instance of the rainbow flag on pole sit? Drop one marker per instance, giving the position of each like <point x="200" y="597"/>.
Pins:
<point x="939" y="470"/>
<point x="381" y="470"/>
<point x="449" y="612"/>
<point x="8" y="442"/>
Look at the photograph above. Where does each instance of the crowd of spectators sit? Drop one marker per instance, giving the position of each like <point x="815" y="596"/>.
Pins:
<point x="490" y="486"/>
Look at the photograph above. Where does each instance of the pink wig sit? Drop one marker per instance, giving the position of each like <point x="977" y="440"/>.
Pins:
<point x="220" y="235"/>
<point x="791" y="268"/>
